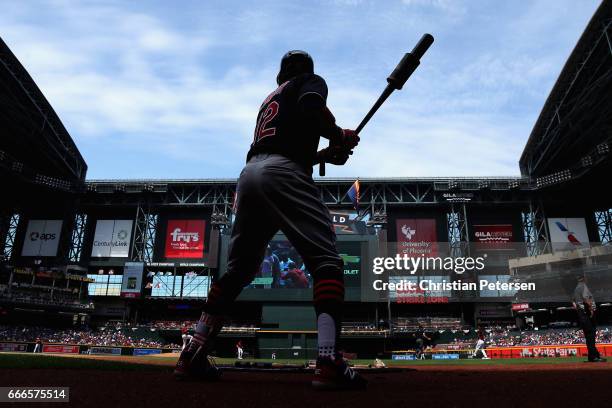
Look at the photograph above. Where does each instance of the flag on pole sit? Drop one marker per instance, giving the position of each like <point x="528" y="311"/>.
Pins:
<point x="235" y="202"/>
<point x="353" y="194"/>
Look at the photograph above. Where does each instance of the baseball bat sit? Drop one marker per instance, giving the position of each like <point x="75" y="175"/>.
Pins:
<point x="395" y="81"/>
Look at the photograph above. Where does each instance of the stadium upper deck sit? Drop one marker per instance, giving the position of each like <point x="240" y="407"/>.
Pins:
<point x="35" y="147"/>
<point x="573" y="133"/>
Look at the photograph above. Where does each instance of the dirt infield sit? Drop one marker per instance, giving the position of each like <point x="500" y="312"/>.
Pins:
<point x="531" y="385"/>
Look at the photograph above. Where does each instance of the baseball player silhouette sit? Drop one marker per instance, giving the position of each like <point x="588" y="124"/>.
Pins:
<point x="276" y="192"/>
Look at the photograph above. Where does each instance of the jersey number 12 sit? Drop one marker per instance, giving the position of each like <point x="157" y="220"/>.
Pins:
<point x="262" y="130"/>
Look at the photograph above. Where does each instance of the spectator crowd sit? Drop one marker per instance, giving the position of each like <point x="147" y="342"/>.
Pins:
<point x="34" y="297"/>
<point x="118" y="335"/>
<point x="105" y="336"/>
<point x="505" y="337"/>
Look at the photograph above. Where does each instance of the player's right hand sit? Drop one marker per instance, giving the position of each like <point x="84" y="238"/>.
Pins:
<point x="349" y="139"/>
<point x="334" y="155"/>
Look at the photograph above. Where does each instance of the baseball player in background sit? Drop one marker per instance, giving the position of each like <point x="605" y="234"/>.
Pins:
<point x="276" y="192"/>
<point x="480" y="344"/>
<point x="186" y="337"/>
<point x="421" y="338"/>
<point x="239" y="350"/>
<point x="38" y="345"/>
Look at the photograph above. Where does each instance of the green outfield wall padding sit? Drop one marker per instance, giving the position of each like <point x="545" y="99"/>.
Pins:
<point x="290" y="317"/>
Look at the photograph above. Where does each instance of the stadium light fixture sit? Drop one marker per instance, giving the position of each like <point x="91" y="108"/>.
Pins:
<point x="555" y="178"/>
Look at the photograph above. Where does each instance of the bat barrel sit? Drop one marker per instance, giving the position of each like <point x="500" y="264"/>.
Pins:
<point x="409" y="63"/>
<point x="422" y="46"/>
<point x="396" y="80"/>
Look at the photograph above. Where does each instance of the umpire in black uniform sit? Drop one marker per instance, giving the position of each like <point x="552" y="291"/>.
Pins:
<point x="585" y="307"/>
<point x="421" y="338"/>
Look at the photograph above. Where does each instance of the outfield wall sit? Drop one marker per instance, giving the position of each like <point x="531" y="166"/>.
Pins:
<point x="61" y="348"/>
<point x="570" y="350"/>
<point x="307" y="352"/>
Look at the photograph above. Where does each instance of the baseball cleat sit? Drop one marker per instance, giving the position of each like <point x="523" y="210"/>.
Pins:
<point x="336" y="375"/>
<point x="598" y="360"/>
<point x="197" y="366"/>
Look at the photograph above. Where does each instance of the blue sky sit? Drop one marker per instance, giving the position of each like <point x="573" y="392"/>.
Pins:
<point x="156" y="90"/>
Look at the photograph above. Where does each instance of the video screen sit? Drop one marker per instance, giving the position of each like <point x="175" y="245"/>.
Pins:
<point x="283" y="267"/>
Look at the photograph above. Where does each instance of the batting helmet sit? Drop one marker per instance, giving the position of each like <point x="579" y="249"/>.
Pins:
<point x="294" y="63"/>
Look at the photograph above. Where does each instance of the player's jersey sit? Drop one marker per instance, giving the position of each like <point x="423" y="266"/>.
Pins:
<point x="280" y="129"/>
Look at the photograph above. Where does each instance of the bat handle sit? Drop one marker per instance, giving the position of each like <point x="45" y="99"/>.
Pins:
<point x="381" y="99"/>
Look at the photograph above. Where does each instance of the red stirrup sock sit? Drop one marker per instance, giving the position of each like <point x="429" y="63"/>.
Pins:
<point x="208" y="327"/>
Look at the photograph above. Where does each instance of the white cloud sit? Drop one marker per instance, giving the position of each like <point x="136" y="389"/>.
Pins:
<point x="450" y="145"/>
<point x="182" y="86"/>
<point x="447" y="6"/>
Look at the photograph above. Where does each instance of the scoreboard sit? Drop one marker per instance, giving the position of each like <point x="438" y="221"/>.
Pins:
<point x="283" y="276"/>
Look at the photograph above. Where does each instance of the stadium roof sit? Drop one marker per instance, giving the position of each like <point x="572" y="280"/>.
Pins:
<point x="321" y="180"/>
<point x="457" y="183"/>
<point x="35" y="146"/>
<point x="574" y="130"/>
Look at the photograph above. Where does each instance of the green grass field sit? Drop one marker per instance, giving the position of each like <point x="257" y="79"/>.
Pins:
<point x="13" y="361"/>
<point x="390" y="363"/>
<point x="29" y="361"/>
